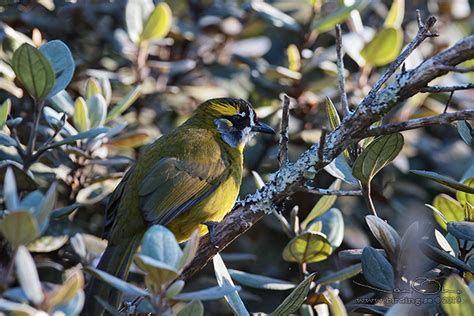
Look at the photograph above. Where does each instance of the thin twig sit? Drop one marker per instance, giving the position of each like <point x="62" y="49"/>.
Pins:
<point x="448" y="102"/>
<point x="444" y="118"/>
<point x="318" y="191"/>
<point x="340" y="72"/>
<point x="285" y="116"/>
<point x="366" y="193"/>
<point x="439" y="89"/>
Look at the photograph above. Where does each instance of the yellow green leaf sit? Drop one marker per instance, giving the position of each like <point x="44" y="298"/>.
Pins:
<point x="158" y="23"/>
<point x="306" y="248"/>
<point x="384" y="47"/>
<point x="323" y="204"/>
<point x="464" y="197"/>
<point x="19" y="227"/>
<point x="334" y="119"/>
<point x="449" y="207"/>
<point x="81" y="115"/>
<point x="92" y="88"/>
<point x="4" y="111"/>
<point x="294" y="59"/>
<point x="395" y="15"/>
<point x="456" y="299"/>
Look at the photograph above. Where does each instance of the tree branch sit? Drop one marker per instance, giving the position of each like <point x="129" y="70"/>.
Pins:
<point x="438" y="89"/>
<point x="290" y="178"/>
<point x="285" y="116"/>
<point x="318" y="191"/>
<point x="444" y="118"/>
<point x="340" y="72"/>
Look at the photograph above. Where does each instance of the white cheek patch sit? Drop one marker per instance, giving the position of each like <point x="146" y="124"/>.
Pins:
<point x="252" y="118"/>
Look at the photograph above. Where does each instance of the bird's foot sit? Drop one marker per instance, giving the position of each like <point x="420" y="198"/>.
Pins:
<point x="211" y="227"/>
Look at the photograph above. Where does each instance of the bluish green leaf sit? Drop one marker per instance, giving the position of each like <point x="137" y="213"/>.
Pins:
<point x="275" y="16"/>
<point x="465" y="131"/>
<point x="60" y="58"/>
<point x="160" y="244"/>
<point x="462" y="230"/>
<point x="324" y="203"/>
<point x="160" y="273"/>
<point x="342" y="13"/>
<point x="6" y="140"/>
<point x="10" y="192"/>
<point x="117" y="283"/>
<point x="339" y="168"/>
<point x="260" y="281"/>
<point x="384" y="233"/>
<point x="224" y="280"/>
<point x="97" y="110"/>
<point x="27" y="276"/>
<point x="340" y="275"/>
<point x="19" y="227"/>
<point x="136" y="13"/>
<point x="212" y="293"/>
<point x="377" y="270"/>
<point x="84" y="135"/>
<point x="333" y="227"/>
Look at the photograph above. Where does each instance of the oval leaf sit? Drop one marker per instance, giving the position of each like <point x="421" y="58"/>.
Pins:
<point x="34" y="71"/>
<point x="160" y="244"/>
<point x="158" y="23"/>
<point x="97" y="110"/>
<point x="456" y="299"/>
<point x="4" y="111"/>
<point x="260" y="281"/>
<point x="450" y="209"/>
<point x="340" y="275"/>
<point x="444" y="180"/>
<point x="117" y="283"/>
<point x="308" y="247"/>
<point x="324" y="203"/>
<point x="60" y="58"/>
<point x="81" y="115"/>
<point x="124" y="103"/>
<point x="384" y="47"/>
<point x="462" y="230"/>
<point x="28" y="275"/>
<point x="377" y="270"/>
<point x="377" y="155"/>
<point x="464" y="197"/>
<point x="384" y="233"/>
<point x="19" y="228"/>
<point x="193" y="308"/>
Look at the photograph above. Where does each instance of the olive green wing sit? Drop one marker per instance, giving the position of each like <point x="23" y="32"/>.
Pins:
<point x="112" y="205"/>
<point x="173" y="186"/>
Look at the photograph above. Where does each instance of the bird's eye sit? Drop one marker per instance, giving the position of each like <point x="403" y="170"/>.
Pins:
<point x="238" y="119"/>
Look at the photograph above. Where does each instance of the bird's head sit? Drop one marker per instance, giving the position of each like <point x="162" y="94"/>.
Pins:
<point x="234" y="119"/>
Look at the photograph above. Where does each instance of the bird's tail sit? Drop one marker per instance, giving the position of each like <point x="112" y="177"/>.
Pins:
<point x="116" y="261"/>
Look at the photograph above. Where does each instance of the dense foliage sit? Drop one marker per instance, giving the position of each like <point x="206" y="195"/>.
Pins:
<point x="84" y="86"/>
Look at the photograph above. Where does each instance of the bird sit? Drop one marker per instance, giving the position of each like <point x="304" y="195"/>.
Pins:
<point x="185" y="180"/>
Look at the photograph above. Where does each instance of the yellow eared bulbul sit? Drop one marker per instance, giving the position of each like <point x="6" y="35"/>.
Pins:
<point x="183" y="180"/>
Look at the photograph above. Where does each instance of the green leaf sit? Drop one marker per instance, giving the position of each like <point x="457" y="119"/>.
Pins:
<point x="260" y="281"/>
<point x="92" y="88"/>
<point x="377" y="270"/>
<point x="462" y="230"/>
<point x="294" y="59"/>
<point x="47" y="243"/>
<point x="18" y="309"/>
<point x="456" y="299"/>
<point x="444" y="180"/>
<point x="384" y="233"/>
<point x="308" y="247"/>
<point x="464" y="197"/>
<point x="449" y="208"/>
<point x="158" y="23"/>
<point x="334" y="119"/>
<point x="66" y="291"/>
<point x="341" y="275"/>
<point x="4" y="111"/>
<point x="97" y="110"/>
<point x="224" y="280"/>
<point x="64" y="211"/>
<point x="296" y="298"/>
<point x="117" y="283"/>
<point x="337" y="306"/>
<point x="34" y="71"/>
<point x="193" y="308"/>
<point x="465" y="131"/>
<point x="395" y="15"/>
<point x="160" y="273"/>
<point x="60" y="58"/>
<point x="275" y="16"/>
<point x="341" y="14"/>
<point x="27" y="276"/>
<point x="212" y="293"/>
<point x="124" y="103"/>
<point x="160" y="244"/>
<point x="19" y="228"/>
<point x="24" y="179"/>
<point x="377" y="155"/>
<point x="324" y="203"/>
<point x="384" y="47"/>
<point x="81" y="115"/>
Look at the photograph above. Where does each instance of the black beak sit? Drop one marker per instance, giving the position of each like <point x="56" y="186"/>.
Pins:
<point x="260" y="127"/>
